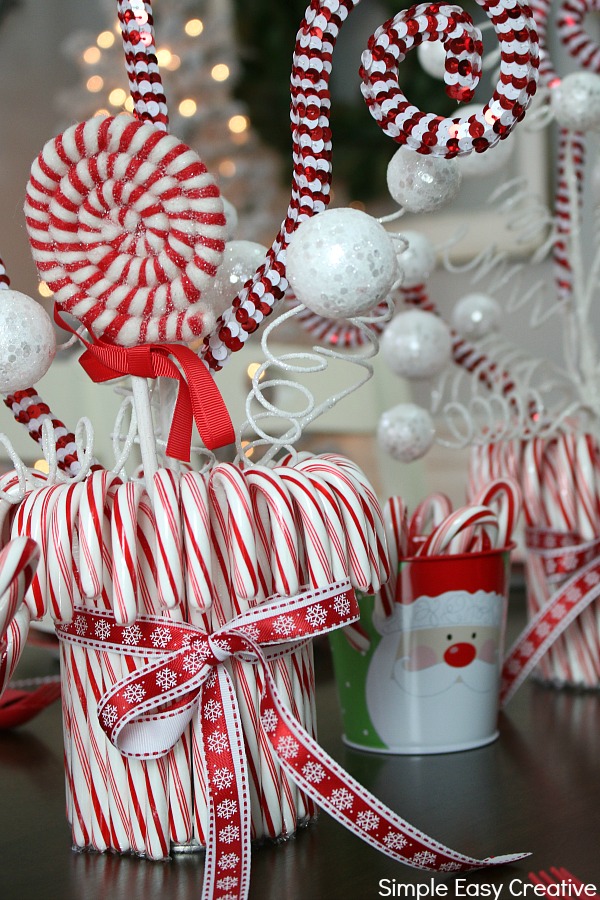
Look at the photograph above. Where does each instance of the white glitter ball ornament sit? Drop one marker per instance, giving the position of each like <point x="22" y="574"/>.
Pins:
<point x="416" y="344"/>
<point x="406" y="432"/>
<point x="476" y="315"/>
<point x="496" y="158"/>
<point x="416" y="262"/>
<point x="241" y="259"/>
<point x="432" y="57"/>
<point x="341" y="263"/>
<point x="421" y="183"/>
<point x="575" y="101"/>
<point x="27" y="341"/>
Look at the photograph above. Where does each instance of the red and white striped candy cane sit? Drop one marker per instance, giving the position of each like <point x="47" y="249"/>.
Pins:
<point x="264" y="482"/>
<point x="61" y="563"/>
<point x="197" y="542"/>
<point x="18" y="561"/>
<point x="124" y="528"/>
<point x="170" y="578"/>
<point x="459" y="524"/>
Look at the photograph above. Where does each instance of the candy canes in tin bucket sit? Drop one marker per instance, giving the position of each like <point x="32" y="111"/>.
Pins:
<point x="429" y="678"/>
<point x="174" y="645"/>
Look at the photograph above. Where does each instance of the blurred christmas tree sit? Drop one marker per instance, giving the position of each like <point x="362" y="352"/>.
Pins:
<point x="198" y="59"/>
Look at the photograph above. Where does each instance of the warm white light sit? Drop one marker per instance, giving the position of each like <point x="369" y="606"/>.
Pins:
<point x="102" y="112"/>
<point x="105" y="39"/>
<point x="44" y="290"/>
<point x="117" y="97"/>
<point x="220" y="72"/>
<point x="129" y="104"/>
<point x="238" y="124"/>
<point x="227" y="168"/>
<point x="163" y="57"/>
<point x="91" y="55"/>
<point x="173" y="63"/>
<point x="188" y="107"/>
<point x="194" y="27"/>
<point x="94" y="84"/>
<point x="41" y="465"/>
<point x="253" y="369"/>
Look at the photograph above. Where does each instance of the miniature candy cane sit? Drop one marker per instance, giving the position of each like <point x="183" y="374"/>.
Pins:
<point x="284" y="558"/>
<point x="359" y="568"/>
<point x="127" y="227"/>
<point x="503" y="496"/>
<point x="449" y="137"/>
<point x="197" y="542"/>
<point x="395" y="517"/>
<point x="124" y="526"/>
<point x="18" y="561"/>
<point x="461" y="523"/>
<point x="169" y="540"/>
<point x="32" y="520"/>
<point x="428" y="514"/>
<point x="94" y="535"/>
<point x="61" y="563"/>
<point x="233" y="509"/>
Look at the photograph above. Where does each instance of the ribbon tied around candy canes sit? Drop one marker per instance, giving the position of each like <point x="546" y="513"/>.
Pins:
<point x="562" y="554"/>
<point x="188" y="673"/>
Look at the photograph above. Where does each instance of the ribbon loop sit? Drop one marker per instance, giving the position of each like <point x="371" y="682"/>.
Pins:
<point x="198" y="397"/>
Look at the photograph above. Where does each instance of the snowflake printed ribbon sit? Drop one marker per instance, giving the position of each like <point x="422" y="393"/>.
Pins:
<point x="560" y="554"/>
<point x="146" y="712"/>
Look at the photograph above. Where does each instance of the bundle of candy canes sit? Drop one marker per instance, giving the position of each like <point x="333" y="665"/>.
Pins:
<point x="487" y="523"/>
<point x="561" y="501"/>
<point x="185" y="597"/>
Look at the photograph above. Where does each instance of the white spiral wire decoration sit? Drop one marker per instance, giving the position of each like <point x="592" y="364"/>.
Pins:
<point x="260" y="410"/>
<point x="509" y="393"/>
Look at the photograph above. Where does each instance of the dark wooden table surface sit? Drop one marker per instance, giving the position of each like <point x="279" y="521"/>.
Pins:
<point x="535" y="789"/>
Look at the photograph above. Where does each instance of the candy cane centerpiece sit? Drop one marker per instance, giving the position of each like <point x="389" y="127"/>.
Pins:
<point x="185" y="599"/>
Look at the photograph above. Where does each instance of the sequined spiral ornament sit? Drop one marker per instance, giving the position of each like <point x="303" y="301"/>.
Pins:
<point x="127" y="228"/>
<point x="449" y="137"/>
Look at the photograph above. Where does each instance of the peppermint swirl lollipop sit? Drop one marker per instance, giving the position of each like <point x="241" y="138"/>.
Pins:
<point x="127" y="228"/>
<point x="448" y="137"/>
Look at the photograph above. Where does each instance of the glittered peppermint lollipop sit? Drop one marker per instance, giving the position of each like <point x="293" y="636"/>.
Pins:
<point x="448" y="137"/>
<point x="127" y="228"/>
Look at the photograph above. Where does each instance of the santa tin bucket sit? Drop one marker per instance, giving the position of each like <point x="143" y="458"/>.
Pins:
<point x="429" y="681"/>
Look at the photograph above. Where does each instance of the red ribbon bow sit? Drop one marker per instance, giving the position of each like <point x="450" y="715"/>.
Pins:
<point x="186" y="671"/>
<point x="198" y="398"/>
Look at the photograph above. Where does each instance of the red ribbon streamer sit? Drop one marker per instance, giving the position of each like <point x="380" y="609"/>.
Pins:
<point x="198" y="398"/>
<point x="186" y="671"/>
